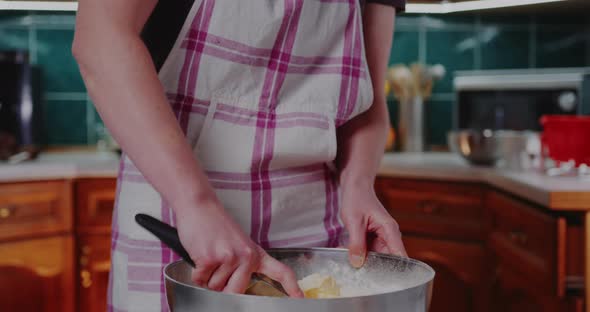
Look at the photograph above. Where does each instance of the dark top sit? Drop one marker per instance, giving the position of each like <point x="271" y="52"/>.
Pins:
<point x="165" y="22"/>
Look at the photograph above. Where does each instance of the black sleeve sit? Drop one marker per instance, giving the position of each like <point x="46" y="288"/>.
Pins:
<point x="163" y="26"/>
<point x="399" y="5"/>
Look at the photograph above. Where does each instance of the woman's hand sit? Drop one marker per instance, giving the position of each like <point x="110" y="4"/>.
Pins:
<point x="225" y="257"/>
<point x="370" y="226"/>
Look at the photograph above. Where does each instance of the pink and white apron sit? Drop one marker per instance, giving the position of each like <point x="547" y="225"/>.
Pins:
<point x="259" y="87"/>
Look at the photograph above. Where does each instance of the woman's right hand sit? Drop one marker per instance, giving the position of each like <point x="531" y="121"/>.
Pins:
<point x="225" y="257"/>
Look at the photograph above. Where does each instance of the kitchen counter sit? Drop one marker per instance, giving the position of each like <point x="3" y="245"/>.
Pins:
<point x="62" y="165"/>
<point x="559" y="193"/>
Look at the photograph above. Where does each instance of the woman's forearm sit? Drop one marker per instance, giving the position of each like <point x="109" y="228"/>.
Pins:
<point x="124" y="86"/>
<point x="362" y="140"/>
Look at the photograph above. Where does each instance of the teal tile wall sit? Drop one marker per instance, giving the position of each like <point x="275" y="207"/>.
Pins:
<point x="69" y="117"/>
<point x="484" y="41"/>
<point x="468" y="41"/>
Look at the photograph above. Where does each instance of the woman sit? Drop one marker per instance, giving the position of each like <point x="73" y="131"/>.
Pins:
<point x="230" y="128"/>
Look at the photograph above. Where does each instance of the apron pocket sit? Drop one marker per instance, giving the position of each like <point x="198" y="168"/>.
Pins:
<point x="225" y="141"/>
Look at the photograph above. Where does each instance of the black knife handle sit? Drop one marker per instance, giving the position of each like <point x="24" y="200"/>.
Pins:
<point x="166" y="233"/>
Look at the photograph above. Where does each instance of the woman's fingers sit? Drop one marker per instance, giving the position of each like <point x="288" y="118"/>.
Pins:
<point x="202" y="273"/>
<point x="282" y="274"/>
<point x="239" y="280"/>
<point x="357" y="246"/>
<point x="220" y="276"/>
<point x="393" y="239"/>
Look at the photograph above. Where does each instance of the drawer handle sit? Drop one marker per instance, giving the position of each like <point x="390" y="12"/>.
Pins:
<point x="86" y="278"/>
<point x="430" y="207"/>
<point x="518" y="237"/>
<point x="6" y="212"/>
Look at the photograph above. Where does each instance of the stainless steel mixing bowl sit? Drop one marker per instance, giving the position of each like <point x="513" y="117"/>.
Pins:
<point x="411" y="293"/>
<point x="477" y="147"/>
<point x="487" y="147"/>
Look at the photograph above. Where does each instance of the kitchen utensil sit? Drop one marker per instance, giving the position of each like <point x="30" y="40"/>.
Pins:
<point x="259" y="285"/>
<point x="567" y="138"/>
<point x="401" y="82"/>
<point x="514" y="149"/>
<point x="411" y="124"/>
<point x="418" y="78"/>
<point x="477" y="147"/>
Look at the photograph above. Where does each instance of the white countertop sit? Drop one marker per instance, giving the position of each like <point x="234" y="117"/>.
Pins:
<point x="62" y="166"/>
<point x="534" y="186"/>
<point x="554" y="192"/>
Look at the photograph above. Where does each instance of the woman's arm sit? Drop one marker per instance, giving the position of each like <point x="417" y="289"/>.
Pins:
<point x="123" y="83"/>
<point x="361" y="146"/>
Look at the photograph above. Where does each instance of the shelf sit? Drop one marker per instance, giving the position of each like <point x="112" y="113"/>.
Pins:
<point x="39" y="5"/>
<point x="432" y="8"/>
<point x="470" y="5"/>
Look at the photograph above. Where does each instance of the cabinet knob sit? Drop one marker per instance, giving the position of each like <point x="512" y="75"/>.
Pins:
<point x="86" y="250"/>
<point x="518" y="237"/>
<point x="86" y="278"/>
<point x="6" y="212"/>
<point x="430" y="207"/>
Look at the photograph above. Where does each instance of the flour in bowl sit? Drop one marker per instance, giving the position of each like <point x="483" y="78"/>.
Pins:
<point x="333" y="280"/>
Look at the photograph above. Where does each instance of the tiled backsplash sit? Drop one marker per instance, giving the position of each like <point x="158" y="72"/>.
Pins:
<point x="480" y="41"/>
<point x="458" y="42"/>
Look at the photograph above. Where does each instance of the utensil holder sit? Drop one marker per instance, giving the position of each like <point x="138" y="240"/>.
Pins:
<point x="411" y="124"/>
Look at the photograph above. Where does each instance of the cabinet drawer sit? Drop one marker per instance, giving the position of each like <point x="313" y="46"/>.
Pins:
<point x="530" y="241"/>
<point x="453" y="210"/>
<point x="37" y="274"/>
<point x="35" y="209"/>
<point x="95" y="199"/>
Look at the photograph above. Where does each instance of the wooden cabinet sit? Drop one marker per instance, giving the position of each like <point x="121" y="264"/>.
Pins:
<point x="35" y="209"/>
<point x="459" y="272"/>
<point x="93" y="274"/>
<point x="95" y="199"/>
<point x="47" y="263"/>
<point x="512" y="292"/>
<point x="443" y="225"/>
<point x="491" y="251"/>
<point x="36" y="247"/>
<point x="36" y="275"/>
<point x="442" y="210"/>
<point x="528" y="240"/>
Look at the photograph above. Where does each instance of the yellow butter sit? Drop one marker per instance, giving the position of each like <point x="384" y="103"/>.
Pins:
<point x="318" y="286"/>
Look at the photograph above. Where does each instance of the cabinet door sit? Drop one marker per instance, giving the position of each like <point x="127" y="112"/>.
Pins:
<point x="37" y="275"/>
<point x="512" y="292"/>
<point x="93" y="273"/>
<point x="95" y="199"/>
<point x="459" y="270"/>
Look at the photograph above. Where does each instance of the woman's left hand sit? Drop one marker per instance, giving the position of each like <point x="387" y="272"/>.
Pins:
<point x="370" y="226"/>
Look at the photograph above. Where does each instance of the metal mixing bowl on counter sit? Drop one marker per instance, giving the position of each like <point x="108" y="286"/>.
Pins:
<point x="401" y="284"/>
<point x="487" y="147"/>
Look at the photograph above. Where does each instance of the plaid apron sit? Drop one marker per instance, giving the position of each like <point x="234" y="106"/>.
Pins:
<point x="259" y="88"/>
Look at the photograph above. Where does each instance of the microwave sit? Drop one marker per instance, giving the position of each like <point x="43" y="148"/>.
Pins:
<point x="516" y="99"/>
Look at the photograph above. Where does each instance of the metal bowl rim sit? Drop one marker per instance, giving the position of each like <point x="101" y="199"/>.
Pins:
<point x="419" y="284"/>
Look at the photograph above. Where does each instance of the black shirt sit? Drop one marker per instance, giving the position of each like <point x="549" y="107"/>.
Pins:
<point x="165" y="22"/>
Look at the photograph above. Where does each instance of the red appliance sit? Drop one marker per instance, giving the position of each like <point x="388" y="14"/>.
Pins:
<point x="566" y="138"/>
